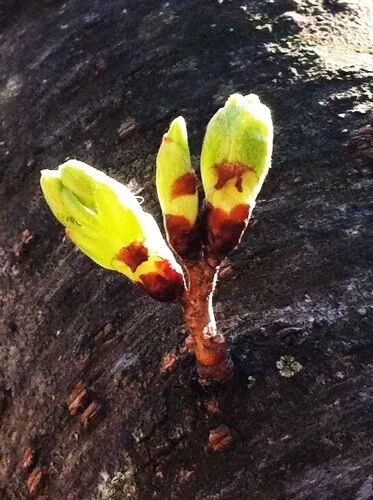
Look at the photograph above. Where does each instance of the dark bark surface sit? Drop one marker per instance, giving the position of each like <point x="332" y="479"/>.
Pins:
<point x="100" y="81"/>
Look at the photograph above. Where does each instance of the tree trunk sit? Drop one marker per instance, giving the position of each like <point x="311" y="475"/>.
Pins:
<point x="100" y="81"/>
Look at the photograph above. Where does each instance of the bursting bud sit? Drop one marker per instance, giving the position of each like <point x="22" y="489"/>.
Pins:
<point x="235" y="159"/>
<point x="177" y="190"/>
<point x="107" y="223"/>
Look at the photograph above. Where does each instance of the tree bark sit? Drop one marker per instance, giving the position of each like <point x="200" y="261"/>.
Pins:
<point x="100" y="81"/>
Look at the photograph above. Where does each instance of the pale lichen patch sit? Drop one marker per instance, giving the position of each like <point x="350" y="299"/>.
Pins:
<point x="288" y="366"/>
<point x="121" y="485"/>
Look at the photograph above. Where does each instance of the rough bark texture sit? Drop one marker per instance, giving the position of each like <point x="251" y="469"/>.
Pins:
<point x="100" y="81"/>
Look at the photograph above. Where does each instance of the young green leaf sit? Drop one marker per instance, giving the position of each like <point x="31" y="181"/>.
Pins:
<point x="107" y="223"/>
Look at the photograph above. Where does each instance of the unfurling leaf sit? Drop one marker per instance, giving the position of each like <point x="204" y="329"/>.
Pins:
<point x="107" y="223"/>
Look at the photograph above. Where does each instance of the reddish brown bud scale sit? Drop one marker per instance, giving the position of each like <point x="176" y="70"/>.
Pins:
<point x="224" y="229"/>
<point x="133" y="255"/>
<point x="183" y="238"/>
<point x="157" y="287"/>
<point x="78" y="399"/>
<point x="28" y="459"/>
<point x="35" y="481"/>
<point x="184" y="185"/>
<point x="221" y="438"/>
<point x="178" y="225"/>
<point x="229" y="171"/>
<point x="165" y="285"/>
<point x="91" y="414"/>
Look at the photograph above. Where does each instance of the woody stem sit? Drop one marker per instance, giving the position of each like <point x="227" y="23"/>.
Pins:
<point x="211" y="351"/>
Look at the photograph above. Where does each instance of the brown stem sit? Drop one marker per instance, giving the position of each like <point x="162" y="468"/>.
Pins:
<point x="212" y="355"/>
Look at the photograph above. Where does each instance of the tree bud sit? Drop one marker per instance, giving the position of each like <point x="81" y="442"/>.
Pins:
<point x="177" y="190"/>
<point x="235" y="159"/>
<point x="107" y="223"/>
